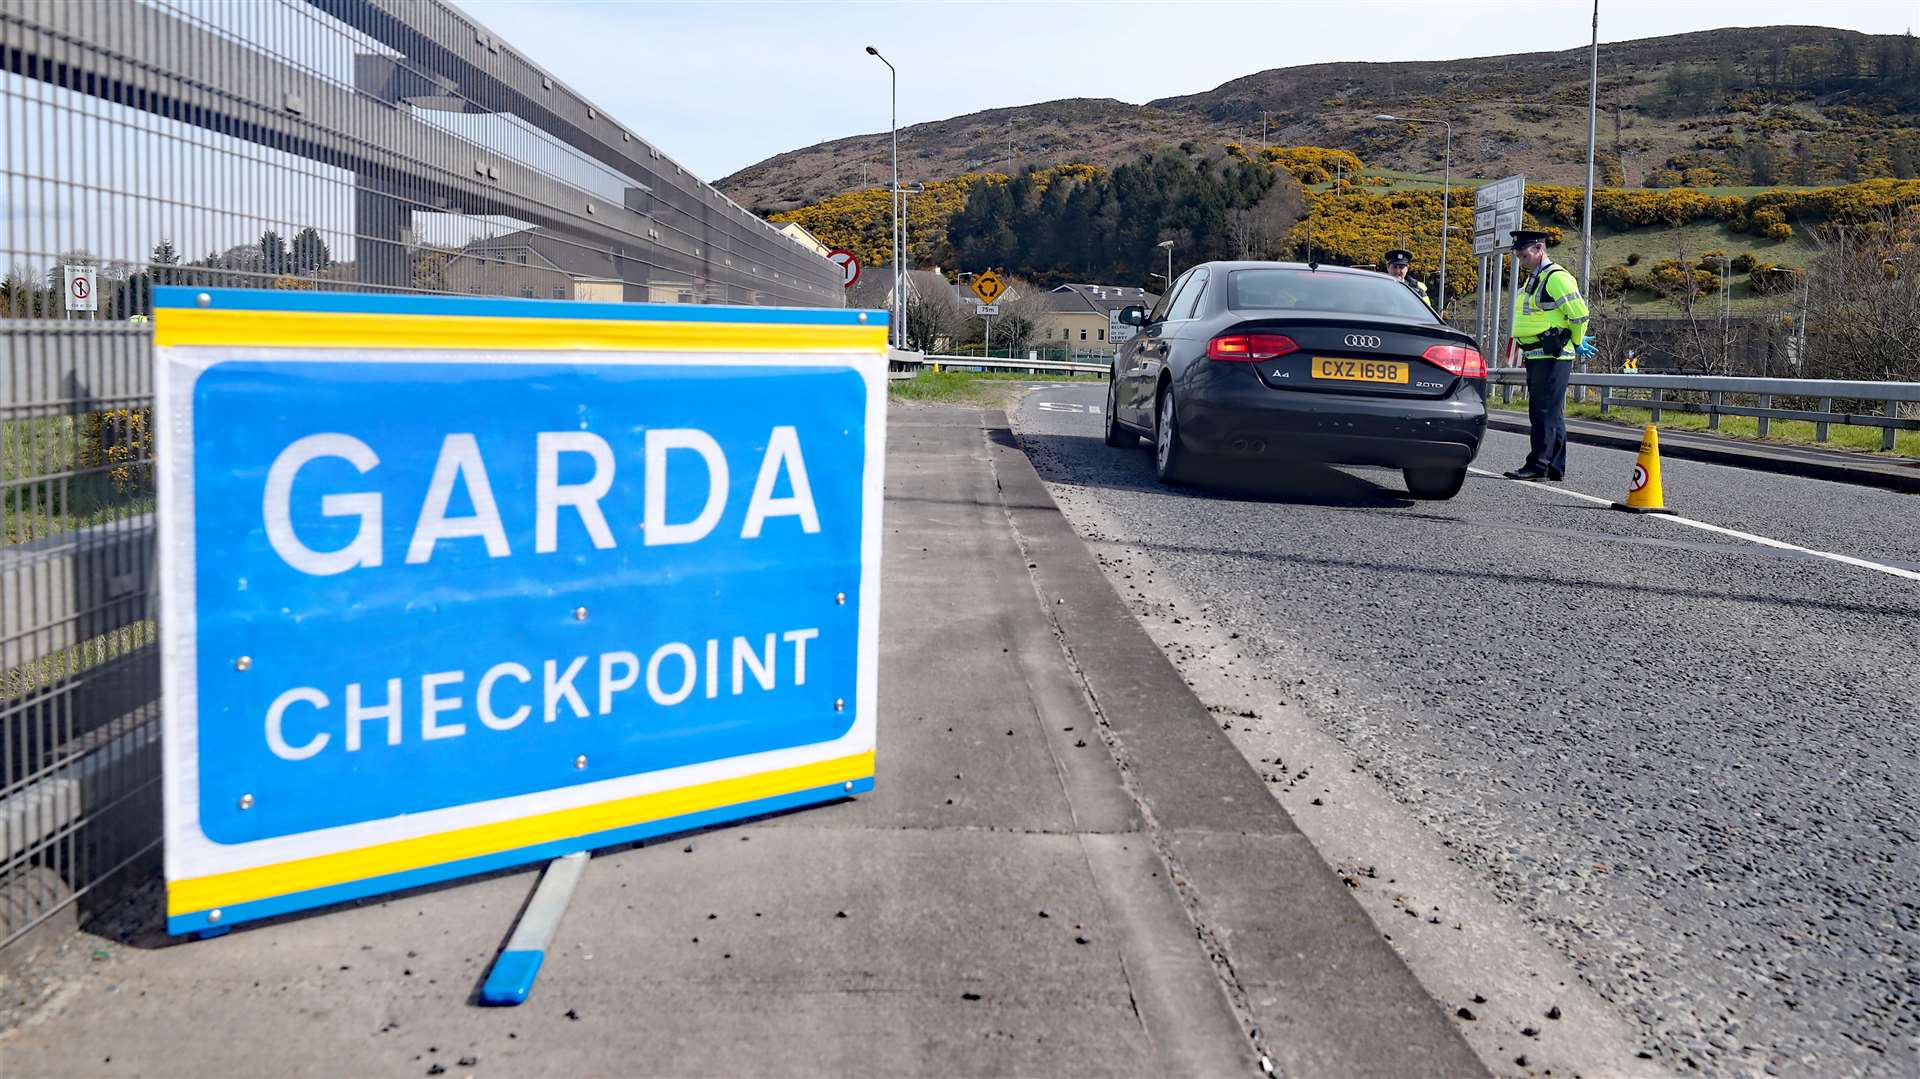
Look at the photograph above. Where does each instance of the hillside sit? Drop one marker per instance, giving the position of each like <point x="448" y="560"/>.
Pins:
<point x="1096" y="131"/>
<point x="1760" y="106"/>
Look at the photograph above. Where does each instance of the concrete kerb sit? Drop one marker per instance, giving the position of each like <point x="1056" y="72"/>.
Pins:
<point x="1302" y="959"/>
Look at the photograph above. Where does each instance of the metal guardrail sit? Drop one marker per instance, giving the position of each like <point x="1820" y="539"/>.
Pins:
<point x="1649" y="392"/>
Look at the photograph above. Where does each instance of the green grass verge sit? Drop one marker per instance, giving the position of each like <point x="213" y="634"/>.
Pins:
<point x="29" y="678"/>
<point x="49" y="446"/>
<point x="969" y="388"/>
<point x="1788" y="432"/>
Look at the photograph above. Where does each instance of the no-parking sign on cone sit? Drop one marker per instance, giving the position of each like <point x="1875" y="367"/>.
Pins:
<point x="1643" y="493"/>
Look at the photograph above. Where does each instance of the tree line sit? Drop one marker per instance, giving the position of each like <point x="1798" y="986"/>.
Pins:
<point x="1081" y="224"/>
<point x="126" y="289"/>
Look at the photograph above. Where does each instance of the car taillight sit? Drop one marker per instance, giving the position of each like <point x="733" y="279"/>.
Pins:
<point x="1462" y="360"/>
<point x="1249" y="347"/>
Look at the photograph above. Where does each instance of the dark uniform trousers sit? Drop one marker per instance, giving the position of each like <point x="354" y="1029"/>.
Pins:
<point x="1547" y="413"/>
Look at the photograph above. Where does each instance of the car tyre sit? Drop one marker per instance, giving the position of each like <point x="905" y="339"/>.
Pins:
<point x="1171" y="463"/>
<point x="1117" y="435"/>
<point x="1435" y="483"/>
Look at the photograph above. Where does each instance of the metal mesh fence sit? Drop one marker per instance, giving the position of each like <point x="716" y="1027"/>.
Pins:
<point x="392" y="145"/>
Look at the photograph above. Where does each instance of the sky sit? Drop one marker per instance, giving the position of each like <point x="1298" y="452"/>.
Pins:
<point x="721" y="85"/>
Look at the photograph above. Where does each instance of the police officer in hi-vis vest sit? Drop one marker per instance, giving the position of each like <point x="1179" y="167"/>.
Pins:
<point x="1550" y="327"/>
<point x="1399" y="261"/>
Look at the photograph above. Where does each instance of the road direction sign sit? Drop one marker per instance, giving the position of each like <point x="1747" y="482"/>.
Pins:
<point x="988" y="286"/>
<point x="457" y="583"/>
<point x="80" y="289"/>
<point x="849" y="264"/>
<point x="986" y="309"/>
<point x="1497" y="211"/>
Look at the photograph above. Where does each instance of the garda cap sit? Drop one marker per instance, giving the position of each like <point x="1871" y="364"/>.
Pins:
<point x="1525" y="238"/>
<point x="1399" y="256"/>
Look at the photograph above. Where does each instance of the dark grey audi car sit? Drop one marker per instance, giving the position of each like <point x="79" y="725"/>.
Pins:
<point x="1281" y="361"/>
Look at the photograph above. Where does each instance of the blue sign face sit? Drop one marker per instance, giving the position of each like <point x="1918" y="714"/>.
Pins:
<point x="427" y="584"/>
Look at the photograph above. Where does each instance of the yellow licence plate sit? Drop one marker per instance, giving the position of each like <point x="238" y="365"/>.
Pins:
<point x="1359" y="370"/>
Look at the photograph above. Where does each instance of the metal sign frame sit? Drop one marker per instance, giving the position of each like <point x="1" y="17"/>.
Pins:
<point x="214" y="882"/>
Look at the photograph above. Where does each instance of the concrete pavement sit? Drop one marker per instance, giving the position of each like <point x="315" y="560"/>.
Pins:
<point x="1066" y="868"/>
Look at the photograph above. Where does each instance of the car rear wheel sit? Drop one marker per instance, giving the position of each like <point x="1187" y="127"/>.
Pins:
<point x="1116" y="434"/>
<point x="1435" y="483"/>
<point x="1170" y="459"/>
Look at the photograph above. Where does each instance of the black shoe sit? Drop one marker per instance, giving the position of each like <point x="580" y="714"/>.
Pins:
<point x="1556" y="476"/>
<point x="1525" y="474"/>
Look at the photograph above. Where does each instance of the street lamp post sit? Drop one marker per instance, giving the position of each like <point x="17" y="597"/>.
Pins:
<point x="1593" y="109"/>
<point x="1168" y="245"/>
<point x="1446" y="194"/>
<point x="897" y="308"/>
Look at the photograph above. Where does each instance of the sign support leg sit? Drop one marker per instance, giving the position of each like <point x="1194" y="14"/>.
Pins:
<point x="511" y="978"/>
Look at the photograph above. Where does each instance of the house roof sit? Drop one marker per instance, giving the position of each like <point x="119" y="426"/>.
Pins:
<point x="573" y="259"/>
<point x="1098" y="299"/>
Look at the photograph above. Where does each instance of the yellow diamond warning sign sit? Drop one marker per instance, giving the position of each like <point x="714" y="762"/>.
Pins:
<point x="988" y="286"/>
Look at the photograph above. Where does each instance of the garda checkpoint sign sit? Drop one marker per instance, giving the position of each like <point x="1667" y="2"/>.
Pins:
<point x="454" y="583"/>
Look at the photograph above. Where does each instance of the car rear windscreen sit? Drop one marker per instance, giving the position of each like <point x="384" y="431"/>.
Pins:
<point x="1281" y="289"/>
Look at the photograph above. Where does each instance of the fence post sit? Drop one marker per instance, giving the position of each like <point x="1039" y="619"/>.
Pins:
<point x="1766" y="401"/>
<point x="1506" y="393"/>
<point x="1820" y="426"/>
<point x="1658" y="396"/>
<point x="1606" y="398"/>
<point x="1714" y="398"/>
<point x="1887" y="434"/>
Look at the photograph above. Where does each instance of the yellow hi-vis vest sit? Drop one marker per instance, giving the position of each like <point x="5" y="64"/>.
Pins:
<point x="1549" y="300"/>
<point x="1419" y="288"/>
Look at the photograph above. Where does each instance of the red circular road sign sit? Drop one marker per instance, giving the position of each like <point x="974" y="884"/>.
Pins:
<point x="848" y="262"/>
<point x="80" y="288"/>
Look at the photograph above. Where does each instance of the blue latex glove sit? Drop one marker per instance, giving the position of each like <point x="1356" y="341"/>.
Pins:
<point x="1585" y="350"/>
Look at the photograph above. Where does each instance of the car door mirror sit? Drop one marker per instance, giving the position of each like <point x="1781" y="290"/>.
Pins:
<point x="1133" y="316"/>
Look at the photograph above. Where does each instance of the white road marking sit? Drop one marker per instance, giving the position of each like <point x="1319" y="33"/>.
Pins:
<point x="1763" y="541"/>
<point x="1067" y="406"/>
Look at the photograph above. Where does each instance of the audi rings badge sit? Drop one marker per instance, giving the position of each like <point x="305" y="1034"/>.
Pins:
<point x="1362" y="340"/>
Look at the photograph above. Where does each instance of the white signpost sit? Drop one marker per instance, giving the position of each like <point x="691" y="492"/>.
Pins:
<point x="1498" y="209"/>
<point x="986" y="309"/>
<point x="80" y="289"/>
<point x="1496" y="213"/>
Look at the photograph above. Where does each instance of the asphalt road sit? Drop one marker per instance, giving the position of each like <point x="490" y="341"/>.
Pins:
<point x="1687" y="760"/>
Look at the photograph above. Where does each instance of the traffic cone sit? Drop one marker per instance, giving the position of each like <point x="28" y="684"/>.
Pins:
<point x="1643" y="493"/>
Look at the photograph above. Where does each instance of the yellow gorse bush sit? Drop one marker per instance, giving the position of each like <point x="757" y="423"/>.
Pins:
<point x="119" y="440"/>
<point x="1358" y="228"/>
<point x="1313" y="164"/>
<point x="862" y="221"/>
